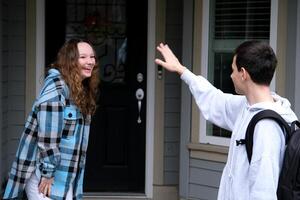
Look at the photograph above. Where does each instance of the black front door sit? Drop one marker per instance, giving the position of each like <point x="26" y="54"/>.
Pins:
<point x="118" y="30"/>
<point x="116" y="153"/>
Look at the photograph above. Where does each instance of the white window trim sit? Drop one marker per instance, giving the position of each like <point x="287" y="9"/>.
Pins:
<point x="206" y="139"/>
<point x="273" y="34"/>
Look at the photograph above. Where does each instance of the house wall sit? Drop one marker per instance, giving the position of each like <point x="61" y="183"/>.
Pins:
<point x="13" y="78"/>
<point x="204" y="179"/>
<point x="185" y="121"/>
<point x="297" y="65"/>
<point x="199" y="178"/>
<point x="293" y="49"/>
<point x="1" y="106"/>
<point x="172" y="95"/>
<point x="4" y="51"/>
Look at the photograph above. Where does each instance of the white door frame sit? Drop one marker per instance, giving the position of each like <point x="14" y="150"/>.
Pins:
<point x="40" y="64"/>
<point x="150" y="99"/>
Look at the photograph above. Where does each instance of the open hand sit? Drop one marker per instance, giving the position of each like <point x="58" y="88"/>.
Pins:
<point x="45" y="186"/>
<point x="171" y="62"/>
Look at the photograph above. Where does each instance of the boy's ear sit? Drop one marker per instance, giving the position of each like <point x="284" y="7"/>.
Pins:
<point x="245" y="74"/>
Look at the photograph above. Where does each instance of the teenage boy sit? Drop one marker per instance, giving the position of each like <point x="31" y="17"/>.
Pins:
<point x="253" y="67"/>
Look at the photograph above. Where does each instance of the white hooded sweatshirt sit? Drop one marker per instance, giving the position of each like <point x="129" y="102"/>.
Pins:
<point x="241" y="181"/>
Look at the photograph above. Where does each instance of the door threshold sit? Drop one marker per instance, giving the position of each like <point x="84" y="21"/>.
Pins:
<point x="114" y="196"/>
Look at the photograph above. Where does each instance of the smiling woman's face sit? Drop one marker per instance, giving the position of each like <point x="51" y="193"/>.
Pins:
<point x="86" y="59"/>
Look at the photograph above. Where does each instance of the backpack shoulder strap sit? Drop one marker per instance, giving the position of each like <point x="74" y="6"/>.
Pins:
<point x="265" y="114"/>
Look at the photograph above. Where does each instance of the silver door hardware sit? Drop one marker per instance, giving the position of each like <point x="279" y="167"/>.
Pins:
<point x="159" y="72"/>
<point x="139" y="96"/>
<point x="139" y="77"/>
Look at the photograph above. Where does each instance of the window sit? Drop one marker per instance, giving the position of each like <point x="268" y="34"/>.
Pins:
<point x="226" y="24"/>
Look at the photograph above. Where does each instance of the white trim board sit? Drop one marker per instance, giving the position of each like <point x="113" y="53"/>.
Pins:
<point x="273" y="34"/>
<point x="150" y="99"/>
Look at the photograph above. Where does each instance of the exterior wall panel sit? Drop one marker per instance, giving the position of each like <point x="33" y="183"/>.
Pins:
<point x="172" y="95"/>
<point x="204" y="179"/>
<point x="297" y="65"/>
<point x="1" y="105"/>
<point x="199" y="192"/>
<point x="13" y="79"/>
<point x="3" y="85"/>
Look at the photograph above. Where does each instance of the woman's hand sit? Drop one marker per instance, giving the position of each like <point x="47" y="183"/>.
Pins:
<point x="45" y="186"/>
<point x="171" y="62"/>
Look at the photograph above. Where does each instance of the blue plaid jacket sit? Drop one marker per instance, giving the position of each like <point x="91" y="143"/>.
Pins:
<point x="53" y="143"/>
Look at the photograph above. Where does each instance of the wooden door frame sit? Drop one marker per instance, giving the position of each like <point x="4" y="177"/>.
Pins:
<point x="35" y="62"/>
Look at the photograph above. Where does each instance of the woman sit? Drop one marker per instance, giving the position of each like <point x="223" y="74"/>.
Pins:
<point x="51" y="156"/>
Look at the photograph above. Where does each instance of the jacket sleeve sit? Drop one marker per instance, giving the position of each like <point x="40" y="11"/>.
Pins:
<point x="267" y="157"/>
<point x="217" y="107"/>
<point x="50" y="118"/>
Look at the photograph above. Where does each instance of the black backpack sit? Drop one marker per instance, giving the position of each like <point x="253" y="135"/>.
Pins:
<point x="289" y="179"/>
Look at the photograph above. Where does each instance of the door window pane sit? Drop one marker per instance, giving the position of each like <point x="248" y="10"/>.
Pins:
<point x="104" y="24"/>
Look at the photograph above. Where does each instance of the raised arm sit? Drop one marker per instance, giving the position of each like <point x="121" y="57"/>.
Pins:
<point x="219" y="108"/>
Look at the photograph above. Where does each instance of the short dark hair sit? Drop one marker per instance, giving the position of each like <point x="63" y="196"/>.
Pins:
<point x="258" y="59"/>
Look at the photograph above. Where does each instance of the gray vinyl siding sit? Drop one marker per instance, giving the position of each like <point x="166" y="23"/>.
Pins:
<point x="172" y="95"/>
<point x="204" y="179"/>
<point x="185" y="124"/>
<point x="293" y="60"/>
<point x="13" y="78"/>
<point x="291" y="51"/>
<point x="1" y="106"/>
<point x="4" y="63"/>
<point x="297" y="65"/>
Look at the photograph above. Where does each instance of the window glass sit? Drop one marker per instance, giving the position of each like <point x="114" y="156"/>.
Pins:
<point x="230" y="23"/>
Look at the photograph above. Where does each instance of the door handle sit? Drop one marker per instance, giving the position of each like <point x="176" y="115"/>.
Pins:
<point x="139" y="94"/>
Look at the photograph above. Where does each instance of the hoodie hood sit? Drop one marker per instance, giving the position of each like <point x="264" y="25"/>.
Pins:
<point x="281" y="105"/>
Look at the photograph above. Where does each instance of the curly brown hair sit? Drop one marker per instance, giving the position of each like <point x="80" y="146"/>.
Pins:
<point x="82" y="92"/>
